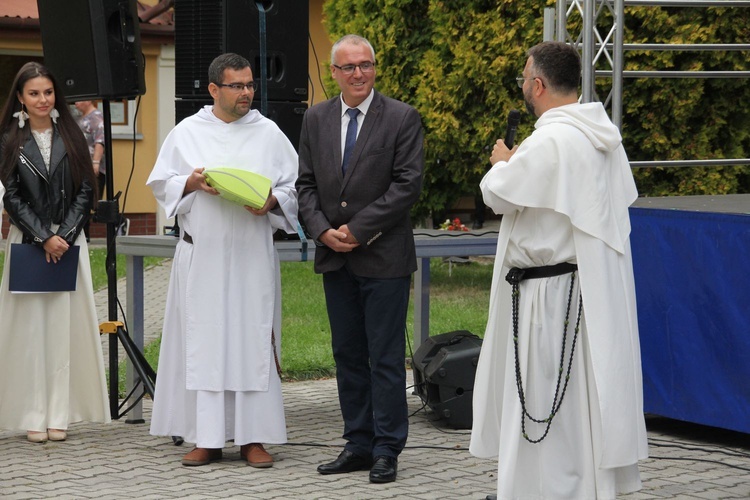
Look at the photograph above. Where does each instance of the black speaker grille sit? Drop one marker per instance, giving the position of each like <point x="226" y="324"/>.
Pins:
<point x="198" y="40"/>
<point x="205" y="29"/>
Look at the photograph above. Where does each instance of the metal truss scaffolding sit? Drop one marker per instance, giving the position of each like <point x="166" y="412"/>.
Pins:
<point x="599" y="39"/>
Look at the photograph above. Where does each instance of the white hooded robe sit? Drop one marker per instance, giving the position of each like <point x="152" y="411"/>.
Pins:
<point x="564" y="196"/>
<point x="217" y="379"/>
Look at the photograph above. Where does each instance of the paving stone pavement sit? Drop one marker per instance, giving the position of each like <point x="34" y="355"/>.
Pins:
<point x="122" y="461"/>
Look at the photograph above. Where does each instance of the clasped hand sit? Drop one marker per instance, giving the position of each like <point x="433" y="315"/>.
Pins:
<point x="54" y="248"/>
<point x="339" y="240"/>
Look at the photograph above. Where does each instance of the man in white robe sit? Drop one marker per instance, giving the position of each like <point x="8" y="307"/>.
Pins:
<point x="564" y="196"/>
<point x="218" y="374"/>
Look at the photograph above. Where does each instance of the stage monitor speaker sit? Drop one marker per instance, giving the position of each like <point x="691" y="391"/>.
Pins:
<point x="205" y="29"/>
<point x="444" y="369"/>
<point x="287" y="115"/>
<point x="93" y="48"/>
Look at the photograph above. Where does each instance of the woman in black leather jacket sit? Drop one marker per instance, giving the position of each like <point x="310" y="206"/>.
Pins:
<point x="51" y="367"/>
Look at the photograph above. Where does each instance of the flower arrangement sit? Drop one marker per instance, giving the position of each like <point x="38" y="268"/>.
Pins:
<point x="453" y="225"/>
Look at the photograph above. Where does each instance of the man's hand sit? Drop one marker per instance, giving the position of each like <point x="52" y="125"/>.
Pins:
<point x="54" y="248"/>
<point x="349" y="236"/>
<point x="336" y="240"/>
<point x="197" y="182"/>
<point x="271" y="202"/>
<point x="501" y="152"/>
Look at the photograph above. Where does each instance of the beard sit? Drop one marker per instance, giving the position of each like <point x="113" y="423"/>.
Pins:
<point x="529" y="107"/>
<point x="529" y="104"/>
<point x="241" y="108"/>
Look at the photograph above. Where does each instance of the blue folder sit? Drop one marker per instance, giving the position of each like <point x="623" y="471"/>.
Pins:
<point x="30" y="271"/>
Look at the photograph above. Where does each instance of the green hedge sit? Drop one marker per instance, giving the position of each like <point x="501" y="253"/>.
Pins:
<point x="456" y="62"/>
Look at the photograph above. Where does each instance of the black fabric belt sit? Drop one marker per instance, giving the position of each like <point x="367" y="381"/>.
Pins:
<point x="516" y="274"/>
<point x="186" y="237"/>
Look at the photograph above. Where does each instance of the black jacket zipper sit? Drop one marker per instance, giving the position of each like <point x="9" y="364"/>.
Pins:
<point x="26" y="161"/>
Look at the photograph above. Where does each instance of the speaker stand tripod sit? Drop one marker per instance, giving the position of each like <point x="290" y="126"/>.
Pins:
<point x="108" y="212"/>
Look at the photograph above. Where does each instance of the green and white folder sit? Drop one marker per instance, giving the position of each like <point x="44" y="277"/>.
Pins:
<point x="239" y="186"/>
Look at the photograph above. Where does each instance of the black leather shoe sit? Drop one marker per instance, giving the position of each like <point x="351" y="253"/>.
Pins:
<point x="491" y="497"/>
<point x="346" y="462"/>
<point x="384" y="470"/>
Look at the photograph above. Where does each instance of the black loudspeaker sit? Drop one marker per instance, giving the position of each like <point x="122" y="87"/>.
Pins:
<point x="187" y="107"/>
<point x="287" y="115"/>
<point x="205" y="29"/>
<point x="444" y="369"/>
<point x="93" y="47"/>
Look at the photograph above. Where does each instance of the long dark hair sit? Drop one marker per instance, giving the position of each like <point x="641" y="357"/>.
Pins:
<point x="13" y="137"/>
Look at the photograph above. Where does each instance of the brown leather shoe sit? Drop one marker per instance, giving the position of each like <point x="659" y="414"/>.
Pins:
<point x="256" y="455"/>
<point x="201" y="456"/>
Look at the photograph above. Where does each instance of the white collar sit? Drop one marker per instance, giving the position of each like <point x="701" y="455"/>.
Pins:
<point x="363" y="106"/>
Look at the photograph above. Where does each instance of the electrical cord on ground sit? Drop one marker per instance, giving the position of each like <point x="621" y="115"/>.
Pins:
<point x="424" y="405"/>
<point x="705" y="460"/>
<point x="692" y="447"/>
<point x="414" y="447"/>
<point x="697" y="448"/>
<point x="461" y="448"/>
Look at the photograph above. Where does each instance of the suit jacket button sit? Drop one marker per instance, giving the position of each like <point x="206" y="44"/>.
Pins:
<point x="343" y="204"/>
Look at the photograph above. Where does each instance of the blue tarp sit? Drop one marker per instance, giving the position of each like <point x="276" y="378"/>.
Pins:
<point x="692" y="277"/>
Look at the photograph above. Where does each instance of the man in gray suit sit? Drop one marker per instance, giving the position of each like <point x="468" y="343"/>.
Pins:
<point x="360" y="172"/>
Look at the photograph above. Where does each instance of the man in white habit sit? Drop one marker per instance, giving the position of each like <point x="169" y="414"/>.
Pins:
<point x="219" y="375"/>
<point x="563" y="412"/>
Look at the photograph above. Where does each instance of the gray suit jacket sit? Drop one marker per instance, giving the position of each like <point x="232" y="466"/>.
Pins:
<point x="383" y="180"/>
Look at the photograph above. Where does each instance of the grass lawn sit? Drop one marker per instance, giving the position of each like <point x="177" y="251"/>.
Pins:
<point x="459" y="297"/>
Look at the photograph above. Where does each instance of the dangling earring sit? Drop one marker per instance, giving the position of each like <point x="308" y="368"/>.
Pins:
<point x="54" y="114"/>
<point x="22" y="117"/>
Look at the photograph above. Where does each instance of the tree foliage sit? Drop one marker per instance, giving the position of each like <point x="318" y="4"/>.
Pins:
<point x="687" y="119"/>
<point x="456" y="62"/>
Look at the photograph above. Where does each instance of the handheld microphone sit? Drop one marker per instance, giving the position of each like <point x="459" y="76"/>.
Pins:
<point x="514" y="117"/>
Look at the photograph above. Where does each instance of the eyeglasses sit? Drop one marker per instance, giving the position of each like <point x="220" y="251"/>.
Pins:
<point x="521" y="79"/>
<point x="237" y="87"/>
<point x="348" y="69"/>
